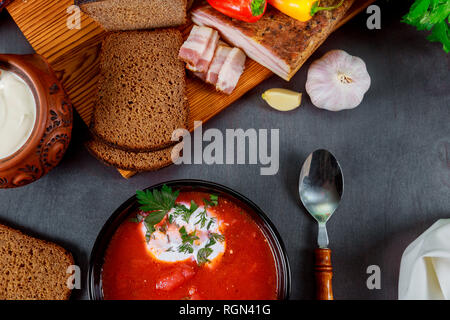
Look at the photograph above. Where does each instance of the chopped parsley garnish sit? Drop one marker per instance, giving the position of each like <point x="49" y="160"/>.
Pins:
<point x="157" y="204"/>
<point x="184" y="212"/>
<point x="185" y="248"/>
<point x="212" y="202"/>
<point x="187" y="241"/>
<point x="202" y="218"/>
<point x="187" y="237"/>
<point x="211" y="221"/>
<point x="210" y="243"/>
<point x="217" y="237"/>
<point x="203" y="254"/>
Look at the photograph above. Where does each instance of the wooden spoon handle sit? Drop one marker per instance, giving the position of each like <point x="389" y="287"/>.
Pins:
<point x="324" y="273"/>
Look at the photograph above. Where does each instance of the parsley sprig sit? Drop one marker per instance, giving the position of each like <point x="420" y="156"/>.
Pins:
<point x="184" y="212"/>
<point x="204" y="253"/>
<point x="187" y="237"/>
<point x="187" y="240"/>
<point x="212" y="202"/>
<point x="202" y="218"/>
<point x="431" y="15"/>
<point x="157" y="203"/>
<point x="216" y="237"/>
<point x="210" y="223"/>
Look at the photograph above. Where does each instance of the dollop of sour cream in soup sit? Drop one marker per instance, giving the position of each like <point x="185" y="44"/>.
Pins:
<point x="196" y="235"/>
<point x="17" y="113"/>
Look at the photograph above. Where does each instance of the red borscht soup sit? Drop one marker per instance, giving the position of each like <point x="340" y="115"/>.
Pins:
<point x="189" y="245"/>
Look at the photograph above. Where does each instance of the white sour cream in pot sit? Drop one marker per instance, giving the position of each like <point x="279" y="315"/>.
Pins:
<point x="17" y="113"/>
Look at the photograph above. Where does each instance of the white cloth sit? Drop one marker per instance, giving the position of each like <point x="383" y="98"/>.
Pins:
<point x="425" y="265"/>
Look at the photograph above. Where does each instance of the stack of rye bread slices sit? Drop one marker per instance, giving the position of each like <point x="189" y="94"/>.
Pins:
<point x="141" y="97"/>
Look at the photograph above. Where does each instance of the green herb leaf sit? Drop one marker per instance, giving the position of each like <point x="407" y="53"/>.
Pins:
<point x="214" y="198"/>
<point x="185" y="248"/>
<point x="203" y="254"/>
<point x="193" y="207"/>
<point x="187" y="238"/>
<point x="153" y="219"/>
<point x="211" y="221"/>
<point x="431" y="15"/>
<point x="186" y="213"/>
<point x="202" y="218"/>
<point x="440" y="33"/>
<point x="157" y="203"/>
<point x="163" y="200"/>
<point x="212" y="202"/>
<point x="210" y="243"/>
<point x="217" y="237"/>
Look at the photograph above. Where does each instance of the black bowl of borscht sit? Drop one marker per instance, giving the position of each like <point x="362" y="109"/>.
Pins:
<point x="189" y="240"/>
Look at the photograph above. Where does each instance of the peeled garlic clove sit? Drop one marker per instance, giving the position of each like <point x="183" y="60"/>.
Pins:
<point x="282" y="99"/>
<point x="337" y="81"/>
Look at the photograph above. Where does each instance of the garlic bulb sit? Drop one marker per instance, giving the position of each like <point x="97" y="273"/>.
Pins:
<point x="337" y="81"/>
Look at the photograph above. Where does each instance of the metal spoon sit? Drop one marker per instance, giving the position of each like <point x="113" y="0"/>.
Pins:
<point x="321" y="186"/>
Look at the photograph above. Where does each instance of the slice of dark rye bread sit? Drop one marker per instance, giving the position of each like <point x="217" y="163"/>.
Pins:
<point x="114" y="15"/>
<point x="126" y="160"/>
<point x="142" y="90"/>
<point x="32" y="269"/>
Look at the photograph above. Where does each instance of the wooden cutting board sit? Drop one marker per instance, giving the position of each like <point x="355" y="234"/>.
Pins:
<point x="74" y="54"/>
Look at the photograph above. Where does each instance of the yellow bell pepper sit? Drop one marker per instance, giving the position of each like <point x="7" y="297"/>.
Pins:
<point x="302" y="10"/>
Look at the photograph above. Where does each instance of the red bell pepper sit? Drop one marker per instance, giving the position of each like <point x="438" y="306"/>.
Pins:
<point x="244" y="10"/>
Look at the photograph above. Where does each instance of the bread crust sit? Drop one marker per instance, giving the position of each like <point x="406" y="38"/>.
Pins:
<point x="38" y="243"/>
<point x="115" y="15"/>
<point x="164" y="153"/>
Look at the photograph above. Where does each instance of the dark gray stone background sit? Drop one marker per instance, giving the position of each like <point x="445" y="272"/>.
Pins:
<point x="394" y="150"/>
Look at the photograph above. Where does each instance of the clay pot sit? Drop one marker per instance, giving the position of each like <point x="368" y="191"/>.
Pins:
<point x="53" y="127"/>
